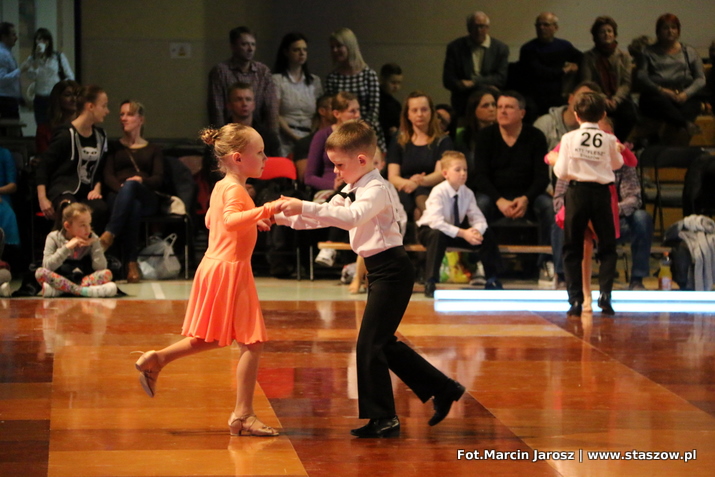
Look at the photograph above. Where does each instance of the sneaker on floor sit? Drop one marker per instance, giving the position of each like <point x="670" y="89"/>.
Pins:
<point x="478" y="278"/>
<point x="102" y="291"/>
<point x="49" y="292"/>
<point x="546" y="274"/>
<point x="5" y="290"/>
<point x="326" y="257"/>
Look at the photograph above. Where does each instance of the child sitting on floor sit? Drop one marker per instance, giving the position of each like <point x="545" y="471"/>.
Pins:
<point x="73" y="261"/>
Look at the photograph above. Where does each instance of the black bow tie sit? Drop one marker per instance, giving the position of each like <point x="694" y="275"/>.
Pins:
<point x="348" y="195"/>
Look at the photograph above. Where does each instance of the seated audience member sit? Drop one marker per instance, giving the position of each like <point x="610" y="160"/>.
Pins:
<point x="68" y="169"/>
<point x="413" y="160"/>
<point x="133" y="172"/>
<point x="353" y="75"/>
<point x="390" y="108"/>
<point x="322" y="118"/>
<point x="610" y="68"/>
<point x="73" y="260"/>
<point x="453" y="219"/>
<point x="447" y="120"/>
<point x="63" y="109"/>
<point x="481" y="112"/>
<point x="511" y="177"/>
<point x="5" y="275"/>
<point x="671" y="78"/>
<point x="297" y="91"/>
<point x="474" y="62"/>
<point x="320" y="172"/>
<point x="8" y="186"/>
<point x="242" y="105"/>
<point x="549" y="63"/>
<point x="560" y="119"/>
<point x="241" y="67"/>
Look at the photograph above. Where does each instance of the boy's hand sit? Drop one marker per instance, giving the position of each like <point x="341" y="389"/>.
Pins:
<point x="275" y="205"/>
<point x="472" y="236"/>
<point x="620" y="147"/>
<point x="291" y="206"/>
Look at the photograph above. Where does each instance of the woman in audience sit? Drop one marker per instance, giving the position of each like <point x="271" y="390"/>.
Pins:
<point x="63" y="109"/>
<point x="352" y="74"/>
<point x="46" y="67"/>
<point x="297" y="90"/>
<point x="610" y="68"/>
<point x="672" y="77"/>
<point x="413" y="160"/>
<point x="68" y="169"/>
<point x="132" y="174"/>
<point x="481" y="111"/>
<point x="320" y="174"/>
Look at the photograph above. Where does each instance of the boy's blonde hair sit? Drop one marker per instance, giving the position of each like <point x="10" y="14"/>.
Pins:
<point x="448" y="157"/>
<point x="354" y="137"/>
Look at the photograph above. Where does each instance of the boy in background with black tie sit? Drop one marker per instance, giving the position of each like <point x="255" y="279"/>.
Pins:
<point x="453" y="219"/>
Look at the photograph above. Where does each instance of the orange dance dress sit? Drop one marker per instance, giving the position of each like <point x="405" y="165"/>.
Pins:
<point x="223" y="305"/>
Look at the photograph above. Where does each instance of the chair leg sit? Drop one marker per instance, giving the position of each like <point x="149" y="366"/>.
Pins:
<point x="297" y="263"/>
<point x="310" y="261"/>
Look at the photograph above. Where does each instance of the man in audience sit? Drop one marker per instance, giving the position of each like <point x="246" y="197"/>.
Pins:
<point x="474" y="61"/>
<point x="242" y="107"/>
<point x="9" y="73"/>
<point x="242" y="68"/>
<point x="550" y="64"/>
<point x="560" y="119"/>
<point x="390" y="108"/>
<point x="511" y="175"/>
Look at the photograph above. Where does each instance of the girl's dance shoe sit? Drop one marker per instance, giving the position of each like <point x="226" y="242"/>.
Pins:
<point x="148" y="366"/>
<point x="249" y="425"/>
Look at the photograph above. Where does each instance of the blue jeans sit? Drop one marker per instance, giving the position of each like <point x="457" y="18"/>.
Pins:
<point x="541" y="210"/>
<point x="133" y="201"/>
<point x="636" y="229"/>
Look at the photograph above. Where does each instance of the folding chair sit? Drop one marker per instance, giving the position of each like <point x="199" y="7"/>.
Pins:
<point x="664" y="191"/>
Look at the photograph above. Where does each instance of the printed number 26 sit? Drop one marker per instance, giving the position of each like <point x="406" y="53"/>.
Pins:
<point x="597" y="142"/>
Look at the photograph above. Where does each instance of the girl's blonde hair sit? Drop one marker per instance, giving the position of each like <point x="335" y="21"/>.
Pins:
<point x="232" y="137"/>
<point x="345" y="36"/>
<point x="71" y="211"/>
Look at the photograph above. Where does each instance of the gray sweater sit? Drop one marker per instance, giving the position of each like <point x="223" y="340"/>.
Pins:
<point x="56" y="252"/>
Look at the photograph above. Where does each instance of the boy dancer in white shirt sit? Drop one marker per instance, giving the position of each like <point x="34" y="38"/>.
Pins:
<point x="453" y="219"/>
<point x="587" y="158"/>
<point x="371" y="218"/>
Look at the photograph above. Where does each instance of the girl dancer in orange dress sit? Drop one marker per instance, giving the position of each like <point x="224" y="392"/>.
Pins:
<point x="223" y="305"/>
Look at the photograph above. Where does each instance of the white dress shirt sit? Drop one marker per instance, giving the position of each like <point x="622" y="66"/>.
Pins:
<point x="372" y="220"/>
<point x="46" y="71"/>
<point x="438" y="211"/>
<point x="588" y="154"/>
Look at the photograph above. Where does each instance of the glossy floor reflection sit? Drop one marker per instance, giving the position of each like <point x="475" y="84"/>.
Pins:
<point x="538" y="385"/>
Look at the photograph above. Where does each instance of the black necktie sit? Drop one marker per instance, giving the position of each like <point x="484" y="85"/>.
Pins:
<point x="455" y="211"/>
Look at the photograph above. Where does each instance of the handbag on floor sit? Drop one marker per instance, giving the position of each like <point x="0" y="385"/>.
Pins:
<point x="157" y="261"/>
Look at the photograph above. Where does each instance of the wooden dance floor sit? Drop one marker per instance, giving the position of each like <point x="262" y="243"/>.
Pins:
<point x="546" y="396"/>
